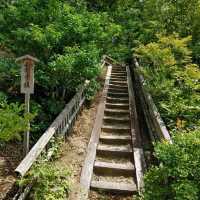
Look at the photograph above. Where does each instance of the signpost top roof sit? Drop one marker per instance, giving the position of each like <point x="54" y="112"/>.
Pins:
<point x="27" y="57"/>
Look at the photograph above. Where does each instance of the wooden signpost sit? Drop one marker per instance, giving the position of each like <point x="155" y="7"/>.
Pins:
<point x="27" y="87"/>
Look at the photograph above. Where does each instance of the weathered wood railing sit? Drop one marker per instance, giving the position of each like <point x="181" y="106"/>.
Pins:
<point x="61" y="126"/>
<point x="156" y="125"/>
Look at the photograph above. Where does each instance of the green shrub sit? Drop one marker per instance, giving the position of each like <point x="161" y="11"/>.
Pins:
<point x="172" y="80"/>
<point x="50" y="182"/>
<point x="178" y="175"/>
<point x="91" y="90"/>
<point x="12" y="121"/>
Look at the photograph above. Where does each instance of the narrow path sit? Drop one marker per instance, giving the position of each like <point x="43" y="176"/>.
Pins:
<point x="74" y="150"/>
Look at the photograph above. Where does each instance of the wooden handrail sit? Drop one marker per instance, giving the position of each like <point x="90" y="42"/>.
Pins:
<point x="61" y="125"/>
<point x="138" y="153"/>
<point x="154" y="121"/>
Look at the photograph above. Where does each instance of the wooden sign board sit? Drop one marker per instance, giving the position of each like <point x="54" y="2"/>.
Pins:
<point x="27" y="73"/>
<point x="27" y="77"/>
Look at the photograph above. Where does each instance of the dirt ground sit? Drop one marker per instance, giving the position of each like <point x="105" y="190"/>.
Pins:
<point x="74" y="150"/>
<point x="10" y="156"/>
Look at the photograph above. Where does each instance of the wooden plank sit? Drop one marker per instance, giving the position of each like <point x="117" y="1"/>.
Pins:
<point x="122" y="106"/>
<point x="106" y="169"/>
<point x="118" y="119"/>
<point x="140" y="166"/>
<point x="86" y="174"/>
<point x="122" y="150"/>
<point x="117" y="111"/>
<point x="114" y="187"/>
<point x="160" y="125"/>
<point x="115" y="139"/>
<point x="116" y="129"/>
<point x="136" y="137"/>
<point x="117" y="94"/>
<point x="114" y="166"/>
<point x="117" y="100"/>
<point x="31" y="157"/>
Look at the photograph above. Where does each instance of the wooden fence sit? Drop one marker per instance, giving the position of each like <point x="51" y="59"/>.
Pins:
<point x="61" y="126"/>
<point x="156" y="125"/>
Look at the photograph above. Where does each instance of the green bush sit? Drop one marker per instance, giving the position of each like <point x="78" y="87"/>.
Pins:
<point x="50" y="182"/>
<point x="12" y="121"/>
<point x="178" y="175"/>
<point x="172" y="80"/>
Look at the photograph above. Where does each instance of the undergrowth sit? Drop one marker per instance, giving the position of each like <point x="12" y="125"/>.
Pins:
<point x="49" y="181"/>
<point x="173" y="81"/>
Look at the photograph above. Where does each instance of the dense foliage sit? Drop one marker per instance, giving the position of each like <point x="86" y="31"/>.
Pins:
<point x="174" y="83"/>
<point x="178" y="177"/>
<point x="69" y="37"/>
<point x="172" y="80"/>
<point x="50" y="181"/>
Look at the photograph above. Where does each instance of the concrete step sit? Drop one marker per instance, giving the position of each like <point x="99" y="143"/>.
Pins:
<point x="119" y="188"/>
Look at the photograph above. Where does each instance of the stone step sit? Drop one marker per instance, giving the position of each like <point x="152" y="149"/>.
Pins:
<point x="115" y="169"/>
<point x="119" y="188"/>
<point x="122" y="106"/>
